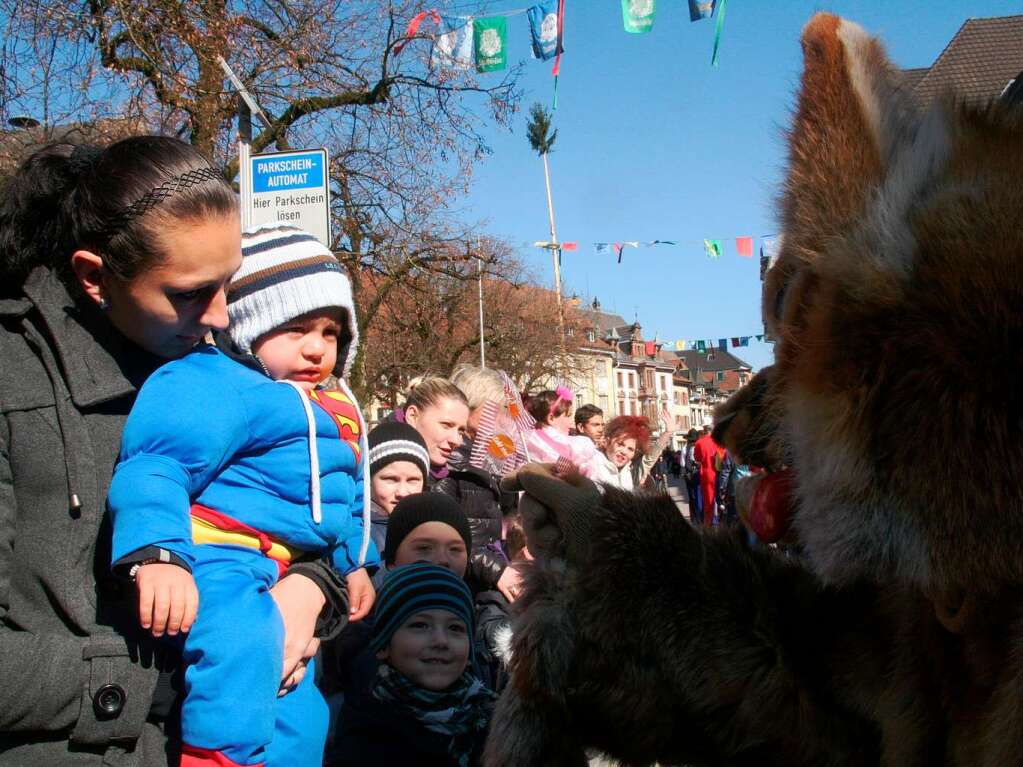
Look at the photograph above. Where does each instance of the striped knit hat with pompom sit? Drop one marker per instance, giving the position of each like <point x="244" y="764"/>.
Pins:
<point x="285" y="273"/>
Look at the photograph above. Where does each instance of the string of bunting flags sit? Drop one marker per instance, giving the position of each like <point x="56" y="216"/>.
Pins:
<point x="703" y="345"/>
<point x="464" y="42"/>
<point x="712" y="248"/>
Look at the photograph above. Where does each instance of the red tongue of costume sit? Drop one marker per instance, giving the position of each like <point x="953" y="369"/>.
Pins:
<point x="771" y="506"/>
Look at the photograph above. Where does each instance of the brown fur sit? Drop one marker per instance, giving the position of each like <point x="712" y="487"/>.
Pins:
<point x="896" y="302"/>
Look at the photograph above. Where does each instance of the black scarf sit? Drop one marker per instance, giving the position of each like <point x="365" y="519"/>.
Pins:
<point x="461" y="712"/>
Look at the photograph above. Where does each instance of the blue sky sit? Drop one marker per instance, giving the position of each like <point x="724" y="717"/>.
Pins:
<point x="653" y="143"/>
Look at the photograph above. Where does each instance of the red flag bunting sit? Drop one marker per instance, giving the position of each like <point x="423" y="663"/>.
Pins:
<point x="745" y="246"/>
<point x="413" y="28"/>
<point x="570" y="246"/>
<point x="556" y="69"/>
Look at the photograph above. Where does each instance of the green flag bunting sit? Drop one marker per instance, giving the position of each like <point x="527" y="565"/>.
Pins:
<point x="713" y="248"/>
<point x="490" y="36"/>
<point x="638" y="15"/>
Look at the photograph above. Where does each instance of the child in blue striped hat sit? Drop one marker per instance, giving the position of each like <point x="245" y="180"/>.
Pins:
<point x="235" y="462"/>
<point x="426" y="704"/>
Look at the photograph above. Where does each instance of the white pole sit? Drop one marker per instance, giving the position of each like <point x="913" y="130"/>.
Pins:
<point x="555" y="252"/>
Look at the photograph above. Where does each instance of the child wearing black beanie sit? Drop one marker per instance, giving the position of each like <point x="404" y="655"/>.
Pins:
<point x="417" y="510"/>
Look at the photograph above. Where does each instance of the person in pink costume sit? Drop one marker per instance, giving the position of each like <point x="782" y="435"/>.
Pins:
<point x="551" y="440"/>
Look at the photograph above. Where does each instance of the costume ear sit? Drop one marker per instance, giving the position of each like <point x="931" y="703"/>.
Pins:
<point x="848" y="118"/>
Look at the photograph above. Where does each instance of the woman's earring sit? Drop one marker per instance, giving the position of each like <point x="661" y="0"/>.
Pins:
<point x="104" y="304"/>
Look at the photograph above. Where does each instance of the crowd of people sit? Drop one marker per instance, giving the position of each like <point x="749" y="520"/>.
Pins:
<point x="206" y="557"/>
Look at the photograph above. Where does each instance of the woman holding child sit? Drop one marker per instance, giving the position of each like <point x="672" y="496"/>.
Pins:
<point x="112" y="262"/>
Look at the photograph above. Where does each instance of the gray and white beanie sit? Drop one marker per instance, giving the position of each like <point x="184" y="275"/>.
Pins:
<point x="285" y="273"/>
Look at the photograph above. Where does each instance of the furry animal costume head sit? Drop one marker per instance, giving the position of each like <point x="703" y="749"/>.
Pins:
<point x="897" y="305"/>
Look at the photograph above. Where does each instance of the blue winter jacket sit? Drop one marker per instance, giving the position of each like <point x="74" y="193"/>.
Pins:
<point x="207" y="429"/>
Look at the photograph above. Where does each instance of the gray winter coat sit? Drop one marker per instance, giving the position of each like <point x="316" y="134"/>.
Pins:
<point x="77" y="675"/>
<point x="76" y="690"/>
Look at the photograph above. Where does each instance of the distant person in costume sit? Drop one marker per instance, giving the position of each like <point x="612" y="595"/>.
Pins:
<point x="709" y="456"/>
<point x="235" y="463"/>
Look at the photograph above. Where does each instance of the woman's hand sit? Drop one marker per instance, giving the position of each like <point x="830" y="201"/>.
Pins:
<point x="361" y="594"/>
<point x="168" y="598"/>
<point x="299" y="601"/>
<point x="510" y="583"/>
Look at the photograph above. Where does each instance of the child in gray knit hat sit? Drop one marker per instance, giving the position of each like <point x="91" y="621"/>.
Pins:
<point x="235" y="463"/>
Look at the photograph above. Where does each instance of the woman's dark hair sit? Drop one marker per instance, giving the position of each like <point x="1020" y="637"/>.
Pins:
<point x="539" y="406"/>
<point x="113" y="201"/>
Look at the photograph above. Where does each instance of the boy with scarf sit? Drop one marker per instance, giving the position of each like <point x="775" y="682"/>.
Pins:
<point x="234" y="463"/>
<point x="426" y="704"/>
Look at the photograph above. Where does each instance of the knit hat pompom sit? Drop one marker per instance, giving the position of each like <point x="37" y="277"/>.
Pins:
<point x="392" y="441"/>
<point x="412" y="589"/>
<point x="415" y="510"/>
<point x="285" y="273"/>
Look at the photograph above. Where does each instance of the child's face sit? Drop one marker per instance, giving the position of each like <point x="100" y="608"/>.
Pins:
<point x="303" y="350"/>
<point x="434" y="542"/>
<point x="431" y="648"/>
<point x="395" y="481"/>
<point x="562" y="423"/>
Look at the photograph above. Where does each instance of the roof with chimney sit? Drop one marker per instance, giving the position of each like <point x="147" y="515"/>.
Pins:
<point x="977" y="65"/>
<point x="712" y="360"/>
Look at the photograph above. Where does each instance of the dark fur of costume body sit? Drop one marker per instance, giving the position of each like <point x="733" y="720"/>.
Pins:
<point x="897" y="305"/>
<point x="685" y="647"/>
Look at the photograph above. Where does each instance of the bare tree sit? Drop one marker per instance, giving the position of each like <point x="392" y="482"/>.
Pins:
<point x="403" y="135"/>
<point x="431" y="324"/>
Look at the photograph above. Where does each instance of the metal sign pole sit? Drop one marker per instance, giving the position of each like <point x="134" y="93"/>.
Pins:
<point x="247" y="106"/>
<point x="244" y="167"/>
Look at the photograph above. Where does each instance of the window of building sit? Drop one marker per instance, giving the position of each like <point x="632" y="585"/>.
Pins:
<point x="621" y="407"/>
<point x="719" y="376"/>
<point x="632" y="407"/>
<point x="632" y="381"/>
<point x="591" y="336"/>
<point x="620" y="379"/>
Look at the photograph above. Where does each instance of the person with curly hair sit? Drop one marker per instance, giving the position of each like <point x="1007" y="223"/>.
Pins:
<point x="625" y="437"/>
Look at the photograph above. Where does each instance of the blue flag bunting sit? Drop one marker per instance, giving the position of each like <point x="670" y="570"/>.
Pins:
<point x="700" y="9"/>
<point x="453" y="47"/>
<point x="543" y="28"/>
